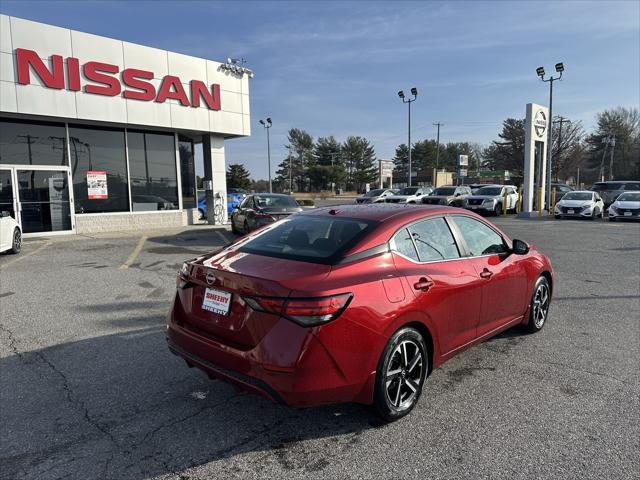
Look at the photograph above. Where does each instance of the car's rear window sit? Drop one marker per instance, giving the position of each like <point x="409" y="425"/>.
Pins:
<point x="266" y="201"/>
<point x="604" y="186"/>
<point x="315" y="239"/>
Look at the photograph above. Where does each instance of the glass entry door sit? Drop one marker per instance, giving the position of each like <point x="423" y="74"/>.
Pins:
<point x="7" y="193"/>
<point x="43" y="200"/>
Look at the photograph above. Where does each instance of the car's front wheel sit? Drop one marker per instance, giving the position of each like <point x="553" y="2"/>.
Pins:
<point x="539" y="307"/>
<point x="401" y="372"/>
<point x="16" y="244"/>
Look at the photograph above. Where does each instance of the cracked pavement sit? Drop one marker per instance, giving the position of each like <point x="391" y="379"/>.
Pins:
<point x="89" y="389"/>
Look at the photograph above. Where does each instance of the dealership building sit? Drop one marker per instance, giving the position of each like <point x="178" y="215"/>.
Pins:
<point x="100" y="135"/>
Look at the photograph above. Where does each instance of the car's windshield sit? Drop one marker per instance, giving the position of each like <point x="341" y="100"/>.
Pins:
<point x="408" y="191"/>
<point x="267" y="201"/>
<point x="489" y="191"/>
<point x="374" y="193"/>
<point x="309" y="238"/>
<point x="629" y="197"/>
<point x="444" y="191"/>
<point x="578" y="196"/>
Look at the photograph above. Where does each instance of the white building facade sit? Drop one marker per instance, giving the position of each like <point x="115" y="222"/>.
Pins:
<point x="98" y="134"/>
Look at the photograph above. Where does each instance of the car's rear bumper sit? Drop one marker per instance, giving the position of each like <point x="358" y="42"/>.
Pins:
<point x="297" y="370"/>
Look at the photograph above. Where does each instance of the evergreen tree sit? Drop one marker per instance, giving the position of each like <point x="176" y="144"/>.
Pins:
<point x="238" y="176"/>
<point x="360" y="162"/>
<point x="401" y="163"/>
<point x="301" y="148"/>
<point x="329" y="167"/>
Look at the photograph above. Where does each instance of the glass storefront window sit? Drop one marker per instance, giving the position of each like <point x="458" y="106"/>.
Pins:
<point x="99" y="168"/>
<point x="152" y="171"/>
<point x="32" y="143"/>
<point x="187" y="172"/>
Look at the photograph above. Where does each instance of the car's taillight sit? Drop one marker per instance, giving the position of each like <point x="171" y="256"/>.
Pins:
<point x="307" y="312"/>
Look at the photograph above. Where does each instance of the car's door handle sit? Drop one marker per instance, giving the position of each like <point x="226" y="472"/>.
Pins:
<point x="423" y="284"/>
<point x="486" y="273"/>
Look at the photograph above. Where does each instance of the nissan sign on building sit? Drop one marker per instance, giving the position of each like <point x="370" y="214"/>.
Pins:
<point x="99" y="134"/>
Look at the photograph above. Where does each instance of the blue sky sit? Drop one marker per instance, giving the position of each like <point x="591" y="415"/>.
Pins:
<point x="333" y="68"/>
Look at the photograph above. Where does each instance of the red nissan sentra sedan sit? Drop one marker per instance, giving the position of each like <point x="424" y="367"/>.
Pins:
<point x="355" y="303"/>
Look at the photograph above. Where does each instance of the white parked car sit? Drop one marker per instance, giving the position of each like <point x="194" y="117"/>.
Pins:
<point x="10" y="234"/>
<point x="580" y="204"/>
<point x="491" y="198"/>
<point x="626" y="206"/>
<point x="409" y="195"/>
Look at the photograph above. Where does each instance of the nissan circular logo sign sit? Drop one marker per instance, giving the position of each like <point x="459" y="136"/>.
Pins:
<point x="211" y="278"/>
<point x="540" y="123"/>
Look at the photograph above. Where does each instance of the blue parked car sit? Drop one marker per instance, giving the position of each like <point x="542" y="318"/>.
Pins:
<point x="233" y="200"/>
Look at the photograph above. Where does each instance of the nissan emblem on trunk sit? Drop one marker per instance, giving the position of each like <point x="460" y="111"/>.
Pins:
<point x="210" y="278"/>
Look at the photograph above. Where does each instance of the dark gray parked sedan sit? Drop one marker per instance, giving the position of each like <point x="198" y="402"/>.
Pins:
<point x="260" y="209"/>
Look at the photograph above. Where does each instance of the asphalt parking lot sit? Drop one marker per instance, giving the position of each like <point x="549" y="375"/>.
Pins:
<point x="89" y="389"/>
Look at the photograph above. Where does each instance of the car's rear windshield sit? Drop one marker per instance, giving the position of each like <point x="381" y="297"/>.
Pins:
<point x="313" y="239"/>
<point x="629" y="197"/>
<point x="374" y="193"/>
<point x="578" y="196"/>
<point x="444" y="191"/>
<point x="604" y="186"/>
<point x="489" y="191"/>
<point x="266" y="201"/>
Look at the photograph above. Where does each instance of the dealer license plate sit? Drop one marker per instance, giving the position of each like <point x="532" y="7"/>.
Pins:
<point x="627" y="214"/>
<point x="216" y="301"/>
<point x="570" y="212"/>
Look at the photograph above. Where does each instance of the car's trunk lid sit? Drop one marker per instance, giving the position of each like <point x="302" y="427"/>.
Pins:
<point x="241" y="274"/>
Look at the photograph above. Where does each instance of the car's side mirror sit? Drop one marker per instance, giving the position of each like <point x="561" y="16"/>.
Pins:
<point x="4" y="213"/>
<point x="520" y="247"/>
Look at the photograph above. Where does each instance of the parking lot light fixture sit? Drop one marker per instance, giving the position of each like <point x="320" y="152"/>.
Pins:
<point x="540" y="71"/>
<point x="267" y="125"/>
<point x="408" y="101"/>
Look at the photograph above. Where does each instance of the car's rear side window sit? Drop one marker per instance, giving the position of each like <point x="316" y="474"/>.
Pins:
<point x="480" y="239"/>
<point x="632" y="186"/>
<point x="404" y="245"/>
<point x="316" y="239"/>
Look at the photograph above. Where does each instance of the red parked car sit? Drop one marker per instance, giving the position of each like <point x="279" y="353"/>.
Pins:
<point x="355" y="303"/>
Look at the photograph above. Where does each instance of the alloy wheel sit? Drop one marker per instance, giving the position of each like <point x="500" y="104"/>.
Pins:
<point x="17" y="240"/>
<point x="403" y="379"/>
<point x="540" y="305"/>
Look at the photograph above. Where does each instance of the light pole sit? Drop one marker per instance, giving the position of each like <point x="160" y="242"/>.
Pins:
<point x="409" y="101"/>
<point x="267" y="125"/>
<point x="551" y="79"/>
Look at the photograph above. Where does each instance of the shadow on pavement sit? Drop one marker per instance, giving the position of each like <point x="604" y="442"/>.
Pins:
<point x="121" y="406"/>
<point x="189" y="241"/>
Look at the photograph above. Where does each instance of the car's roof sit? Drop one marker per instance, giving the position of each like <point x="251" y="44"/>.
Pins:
<point x="382" y="212"/>
<point x="272" y="195"/>
<point x="616" y="182"/>
<point x="582" y="191"/>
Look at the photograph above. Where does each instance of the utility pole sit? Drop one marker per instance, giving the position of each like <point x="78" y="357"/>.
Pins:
<point x="560" y="121"/>
<point x="612" y="141"/>
<point x="605" y="141"/>
<point x="30" y="140"/>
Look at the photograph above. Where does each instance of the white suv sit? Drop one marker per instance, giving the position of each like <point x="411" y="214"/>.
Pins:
<point x="491" y="199"/>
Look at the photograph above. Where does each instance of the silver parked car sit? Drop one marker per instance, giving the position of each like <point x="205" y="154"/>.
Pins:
<point x="580" y="204"/>
<point x="376" y="196"/>
<point x="491" y="199"/>
<point x="449" y="195"/>
<point x="626" y="206"/>
<point x="409" y="195"/>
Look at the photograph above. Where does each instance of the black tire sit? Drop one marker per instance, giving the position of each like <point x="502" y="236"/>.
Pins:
<point x="233" y="227"/>
<point x="16" y="245"/>
<point x="400" y="363"/>
<point x="497" y="210"/>
<point x="245" y="227"/>
<point x="612" y="219"/>
<point x="558" y="217"/>
<point x="538" y="318"/>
